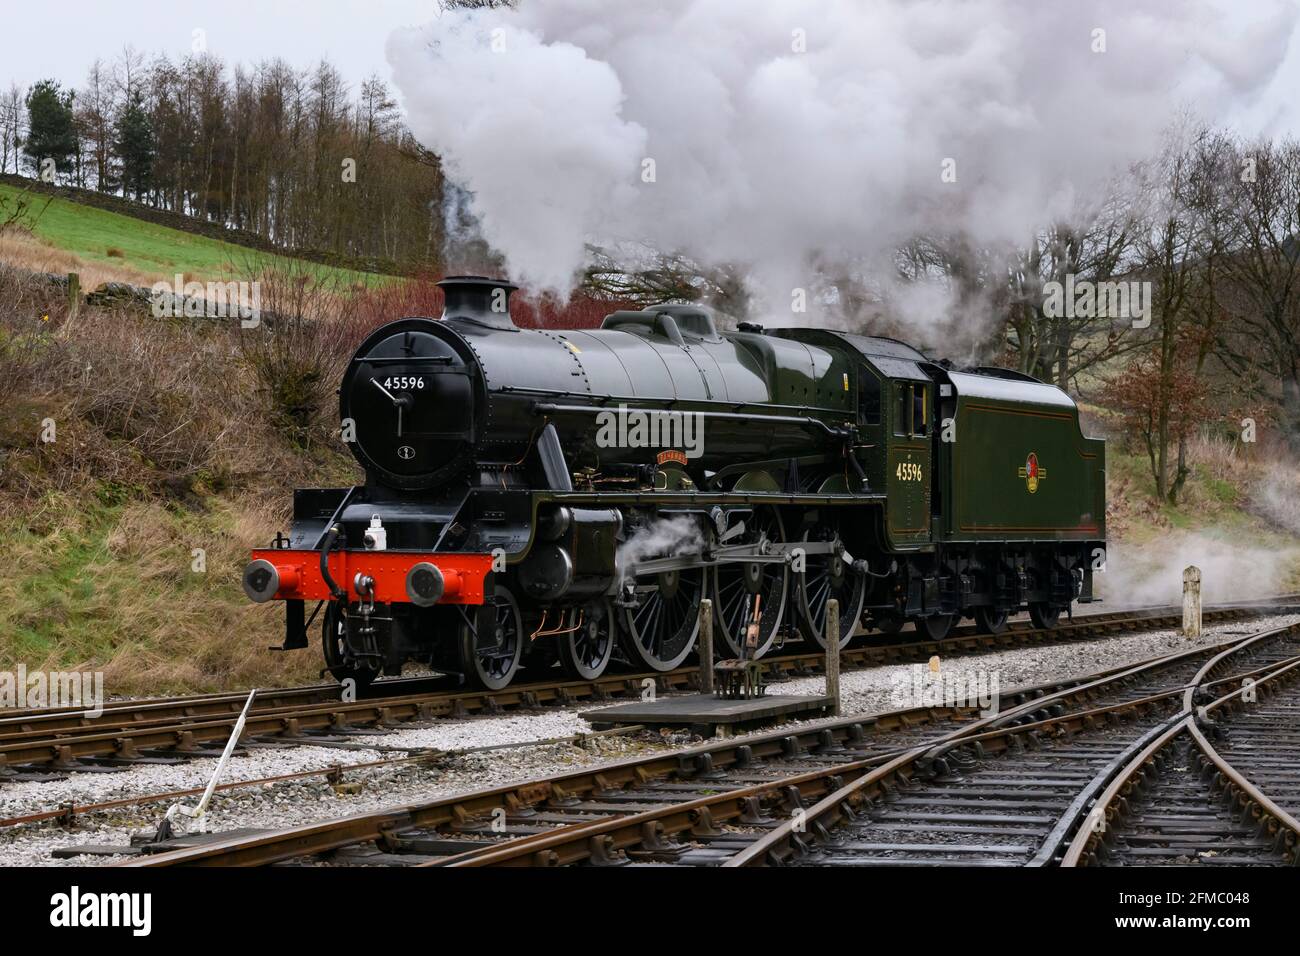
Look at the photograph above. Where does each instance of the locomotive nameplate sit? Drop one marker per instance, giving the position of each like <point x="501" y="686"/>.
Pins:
<point x="672" y="456"/>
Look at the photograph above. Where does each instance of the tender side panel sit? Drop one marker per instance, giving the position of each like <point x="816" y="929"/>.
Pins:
<point x="1024" y="471"/>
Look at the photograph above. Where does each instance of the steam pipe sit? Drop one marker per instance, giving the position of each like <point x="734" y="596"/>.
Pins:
<point x="327" y="545"/>
<point x="814" y="424"/>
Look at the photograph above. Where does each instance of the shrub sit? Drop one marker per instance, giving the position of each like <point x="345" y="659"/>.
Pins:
<point x="30" y="308"/>
<point x="297" y="352"/>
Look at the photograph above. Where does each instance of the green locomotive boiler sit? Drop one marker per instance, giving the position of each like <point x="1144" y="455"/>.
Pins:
<point x="543" y="495"/>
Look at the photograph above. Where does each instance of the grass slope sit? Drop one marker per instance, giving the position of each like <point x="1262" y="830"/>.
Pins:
<point x="167" y="444"/>
<point x="149" y="249"/>
<point x="115" y="586"/>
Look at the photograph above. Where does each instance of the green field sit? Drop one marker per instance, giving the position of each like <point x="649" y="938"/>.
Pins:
<point x="90" y="233"/>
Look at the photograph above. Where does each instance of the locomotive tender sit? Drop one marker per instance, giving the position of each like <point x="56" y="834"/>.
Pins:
<point x="534" y="495"/>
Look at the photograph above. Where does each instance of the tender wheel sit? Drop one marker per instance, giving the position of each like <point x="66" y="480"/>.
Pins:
<point x="490" y="658"/>
<point x="585" y="653"/>
<point x="934" y="628"/>
<point x="887" y="622"/>
<point x="335" y="647"/>
<point x="989" y="620"/>
<point x="829" y="576"/>
<point x="659" y="630"/>
<point x="735" y="586"/>
<point x="1045" y="617"/>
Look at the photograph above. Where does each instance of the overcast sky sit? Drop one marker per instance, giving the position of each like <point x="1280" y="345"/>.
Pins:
<point x="352" y="34"/>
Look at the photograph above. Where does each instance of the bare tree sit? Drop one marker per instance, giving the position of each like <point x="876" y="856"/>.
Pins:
<point x="1261" y="272"/>
<point x="12" y="115"/>
<point x="1093" y="243"/>
<point x="975" y="278"/>
<point x="377" y="113"/>
<point x="999" y="292"/>
<point x="128" y="72"/>
<point x="645" y="276"/>
<point x="96" y="108"/>
<point x="1178" y="196"/>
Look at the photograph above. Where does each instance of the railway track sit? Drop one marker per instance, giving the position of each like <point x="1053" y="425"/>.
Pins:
<point x="1036" y="801"/>
<point x="1263" y="743"/>
<point x="46" y="744"/>
<point x="1218" y="788"/>
<point x="752" y="799"/>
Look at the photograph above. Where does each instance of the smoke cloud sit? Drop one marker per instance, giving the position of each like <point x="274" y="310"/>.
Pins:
<point x="780" y="133"/>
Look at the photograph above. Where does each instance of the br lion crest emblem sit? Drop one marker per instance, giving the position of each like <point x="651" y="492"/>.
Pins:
<point x="1032" y="472"/>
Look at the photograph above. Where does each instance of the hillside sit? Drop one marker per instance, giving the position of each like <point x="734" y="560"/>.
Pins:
<point x="102" y="245"/>
<point x="140" y="459"/>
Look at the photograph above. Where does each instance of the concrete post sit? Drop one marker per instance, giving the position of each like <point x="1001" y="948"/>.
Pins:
<point x="706" y="646"/>
<point x="833" y="654"/>
<point x="1192" y="601"/>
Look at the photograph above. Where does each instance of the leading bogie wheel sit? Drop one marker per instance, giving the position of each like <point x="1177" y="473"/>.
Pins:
<point x="490" y="653"/>
<point x="334" y="647"/>
<point x="585" y="652"/>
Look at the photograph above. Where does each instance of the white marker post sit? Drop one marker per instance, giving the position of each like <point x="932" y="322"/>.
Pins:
<point x="1192" y="601"/>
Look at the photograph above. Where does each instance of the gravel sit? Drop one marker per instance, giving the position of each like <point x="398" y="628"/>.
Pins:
<point x="878" y="688"/>
<point x="295" y="802"/>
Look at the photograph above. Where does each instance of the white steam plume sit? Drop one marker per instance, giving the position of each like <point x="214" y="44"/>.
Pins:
<point x="769" y="157"/>
<point x="1137" y="575"/>
<point x="661" y="538"/>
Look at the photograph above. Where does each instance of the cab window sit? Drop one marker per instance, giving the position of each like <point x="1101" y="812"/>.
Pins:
<point x="868" y="396"/>
<point x="902" y="408"/>
<point x="911" y="409"/>
<point x="920" y="414"/>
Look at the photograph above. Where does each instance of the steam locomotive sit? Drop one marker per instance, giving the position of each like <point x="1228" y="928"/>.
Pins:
<point x="536" y="495"/>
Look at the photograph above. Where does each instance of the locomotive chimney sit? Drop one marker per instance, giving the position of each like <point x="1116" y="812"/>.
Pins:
<point x="478" y="299"/>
